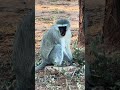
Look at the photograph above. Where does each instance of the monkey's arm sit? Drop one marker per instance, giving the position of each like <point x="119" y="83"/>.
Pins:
<point x="68" y="53"/>
<point x="67" y="48"/>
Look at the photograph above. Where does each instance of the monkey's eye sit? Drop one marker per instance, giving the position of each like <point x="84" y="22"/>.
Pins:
<point x="62" y="30"/>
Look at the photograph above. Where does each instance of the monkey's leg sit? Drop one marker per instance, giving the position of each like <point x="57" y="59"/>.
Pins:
<point x="68" y="55"/>
<point x="56" y="55"/>
<point x="67" y="58"/>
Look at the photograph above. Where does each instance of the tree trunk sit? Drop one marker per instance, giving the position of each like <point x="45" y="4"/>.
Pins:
<point x="111" y="29"/>
<point x="81" y="36"/>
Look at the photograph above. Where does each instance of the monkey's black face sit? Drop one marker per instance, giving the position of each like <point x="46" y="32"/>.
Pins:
<point x="63" y="30"/>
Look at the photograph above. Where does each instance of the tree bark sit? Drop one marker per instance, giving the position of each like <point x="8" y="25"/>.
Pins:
<point x="111" y="29"/>
<point x="81" y="35"/>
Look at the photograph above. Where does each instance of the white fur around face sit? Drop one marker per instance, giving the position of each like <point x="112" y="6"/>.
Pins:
<point x="60" y="25"/>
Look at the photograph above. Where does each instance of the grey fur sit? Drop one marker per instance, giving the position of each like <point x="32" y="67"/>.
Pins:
<point x="54" y="47"/>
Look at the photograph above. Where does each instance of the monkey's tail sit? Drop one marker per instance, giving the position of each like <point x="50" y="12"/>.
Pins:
<point x="41" y="66"/>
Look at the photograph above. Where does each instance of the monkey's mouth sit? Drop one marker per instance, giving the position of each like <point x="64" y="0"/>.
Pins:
<point x="62" y="30"/>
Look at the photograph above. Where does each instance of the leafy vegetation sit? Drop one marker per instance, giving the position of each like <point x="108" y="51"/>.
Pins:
<point x="78" y="54"/>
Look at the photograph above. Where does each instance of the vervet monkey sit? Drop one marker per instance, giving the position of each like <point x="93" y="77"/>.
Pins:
<point x="24" y="54"/>
<point x="55" y="46"/>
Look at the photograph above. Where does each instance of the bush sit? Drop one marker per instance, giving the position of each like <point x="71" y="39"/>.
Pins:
<point x="78" y="54"/>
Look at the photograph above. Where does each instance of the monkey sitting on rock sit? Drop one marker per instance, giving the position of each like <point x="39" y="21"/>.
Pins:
<point x="55" y="46"/>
